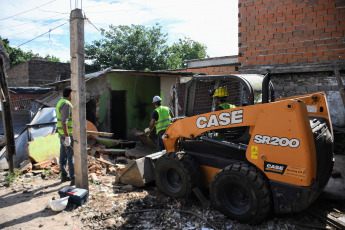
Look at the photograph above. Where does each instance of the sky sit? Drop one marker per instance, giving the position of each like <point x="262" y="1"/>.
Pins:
<point x="212" y="23"/>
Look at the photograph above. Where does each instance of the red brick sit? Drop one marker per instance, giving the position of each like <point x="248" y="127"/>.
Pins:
<point x="320" y="2"/>
<point x="311" y="15"/>
<point x="250" y="8"/>
<point x="290" y="28"/>
<point x="328" y="17"/>
<point x="307" y="9"/>
<point x="297" y="11"/>
<point x="323" y="58"/>
<point x="260" y="37"/>
<point x="308" y="54"/>
<point x="318" y="19"/>
<point x="321" y="13"/>
<point x="307" y="20"/>
<point x="281" y="8"/>
<point x="271" y="20"/>
<point x="269" y="15"/>
<point x="311" y="48"/>
<point x="301" y="50"/>
<point x="339" y="52"/>
<point x="272" y="31"/>
<point x="322" y="47"/>
<point x="330" y="29"/>
<point x="291" y="6"/>
<point x="300" y="16"/>
<point x="329" y="6"/>
<point x="318" y="7"/>
<point x="258" y="6"/>
<point x="312" y="59"/>
<point x="308" y="32"/>
<point x="297" y="55"/>
<point x="268" y="36"/>
<point x="321" y="24"/>
<point x="278" y="3"/>
<point x="311" y="26"/>
<point x="333" y="23"/>
<point x="298" y="44"/>
<point x="301" y="5"/>
<point x="259" y="17"/>
<point x="263" y="21"/>
<point x="249" y="3"/>
<point x="337" y="34"/>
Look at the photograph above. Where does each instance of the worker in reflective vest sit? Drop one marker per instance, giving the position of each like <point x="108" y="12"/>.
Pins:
<point x="65" y="129"/>
<point x="220" y="95"/>
<point x="160" y="119"/>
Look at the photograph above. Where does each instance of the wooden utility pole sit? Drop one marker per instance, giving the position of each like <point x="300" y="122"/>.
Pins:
<point x="78" y="98"/>
<point x="6" y="112"/>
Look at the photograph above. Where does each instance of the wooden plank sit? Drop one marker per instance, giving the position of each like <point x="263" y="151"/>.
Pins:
<point x="104" y="134"/>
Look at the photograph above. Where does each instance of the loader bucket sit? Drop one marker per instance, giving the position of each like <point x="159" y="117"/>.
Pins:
<point x="139" y="172"/>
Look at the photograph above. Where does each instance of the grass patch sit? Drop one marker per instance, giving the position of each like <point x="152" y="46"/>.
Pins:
<point x="12" y="176"/>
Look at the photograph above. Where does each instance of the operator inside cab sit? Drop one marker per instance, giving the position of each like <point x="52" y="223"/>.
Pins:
<point x="220" y="95"/>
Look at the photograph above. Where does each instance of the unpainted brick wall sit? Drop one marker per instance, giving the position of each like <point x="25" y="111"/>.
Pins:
<point x="36" y="73"/>
<point x="291" y="31"/>
<point x="18" y="76"/>
<point x="287" y="85"/>
<point x="212" y="70"/>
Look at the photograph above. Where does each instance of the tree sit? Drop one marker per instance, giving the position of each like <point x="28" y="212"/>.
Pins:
<point x="137" y="47"/>
<point x="17" y="55"/>
<point x="185" y="49"/>
<point x="132" y="47"/>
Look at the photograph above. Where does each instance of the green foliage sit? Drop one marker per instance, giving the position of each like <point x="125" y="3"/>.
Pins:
<point x="47" y="172"/>
<point x="185" y="49"/>
<point x="12" y="176"/>
<point x="17" y="55"/>
<point x="137" y="47"/>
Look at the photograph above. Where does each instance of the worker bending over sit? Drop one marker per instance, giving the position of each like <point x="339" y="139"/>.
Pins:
<point x="161" y="119"/>
<point x="220" y="96"/>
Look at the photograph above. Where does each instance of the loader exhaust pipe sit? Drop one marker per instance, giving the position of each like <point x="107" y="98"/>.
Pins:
<point x="265" y="88"/>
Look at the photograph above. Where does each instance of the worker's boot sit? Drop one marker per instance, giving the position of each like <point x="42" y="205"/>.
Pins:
<point x="64" y="179"/>
<point x="72" y="183"/>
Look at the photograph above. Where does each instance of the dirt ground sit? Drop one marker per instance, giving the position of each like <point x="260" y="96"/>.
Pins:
<point x="23" y="205"/>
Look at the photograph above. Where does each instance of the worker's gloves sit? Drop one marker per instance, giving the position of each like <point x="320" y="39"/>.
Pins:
<point x="147" y="130"/>
<point x="67" y="141"/>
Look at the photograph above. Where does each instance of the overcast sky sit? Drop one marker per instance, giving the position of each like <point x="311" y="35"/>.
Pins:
<point x="210" y="22"/>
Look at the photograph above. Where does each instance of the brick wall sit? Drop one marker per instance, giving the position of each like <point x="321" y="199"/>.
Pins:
<point x="212" y="70"/>
<point x="273" y="32"/>
<point x="18" y="76"/>
<point x="37" y="73"/>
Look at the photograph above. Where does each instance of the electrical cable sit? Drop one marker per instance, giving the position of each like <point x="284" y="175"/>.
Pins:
<point x="42" y="34"/>
<point x="36" y="27"/>
<point x="43" y="19"/>
<point x="27" y="11"/>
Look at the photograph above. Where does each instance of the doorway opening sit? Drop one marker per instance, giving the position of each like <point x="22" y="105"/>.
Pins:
<point x="118" y="114"/>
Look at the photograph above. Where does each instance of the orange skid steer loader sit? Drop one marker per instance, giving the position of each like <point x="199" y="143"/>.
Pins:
<point x="282" y="159"/>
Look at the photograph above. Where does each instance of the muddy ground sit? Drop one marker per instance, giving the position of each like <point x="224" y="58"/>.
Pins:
<point x="23" y="205"/>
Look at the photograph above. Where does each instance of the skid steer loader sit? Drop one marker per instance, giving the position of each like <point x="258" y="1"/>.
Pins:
<point x="280" y="158"/>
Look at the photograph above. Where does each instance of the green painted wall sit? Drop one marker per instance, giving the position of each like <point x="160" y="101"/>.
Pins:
<point x="139" y="93"/>
<point x="44" y="148"/>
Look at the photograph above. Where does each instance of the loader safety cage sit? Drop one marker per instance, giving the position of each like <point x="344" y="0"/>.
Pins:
<point x="244" y="89"/>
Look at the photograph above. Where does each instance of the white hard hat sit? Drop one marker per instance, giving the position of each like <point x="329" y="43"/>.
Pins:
<point x="156" y="99"/>
<point x="59" y="204"/>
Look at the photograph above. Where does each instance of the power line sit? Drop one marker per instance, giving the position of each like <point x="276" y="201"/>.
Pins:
<point x="32" y="21"/>
<point x="27" y="10"/>
<point x="37" y="27"/>
<point x="42" y="34"/>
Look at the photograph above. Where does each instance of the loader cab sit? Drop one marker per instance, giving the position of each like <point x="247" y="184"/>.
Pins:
<point x="243" y="89"/>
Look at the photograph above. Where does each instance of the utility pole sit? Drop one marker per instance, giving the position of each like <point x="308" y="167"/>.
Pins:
<point x="6" y="111"/>
<point x="78" y="98"/>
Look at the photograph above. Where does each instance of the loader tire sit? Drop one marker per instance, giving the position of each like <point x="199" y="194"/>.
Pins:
<point x="241" y="192"/>
<point x="176" y="174"/>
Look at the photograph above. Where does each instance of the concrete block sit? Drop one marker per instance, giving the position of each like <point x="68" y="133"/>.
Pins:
<point x="312" y="88"/>
<point x="301" y="88"/>
<point x="325" y="88"/>
<point x="289" y="88"/>
<point x="278" y="88"/>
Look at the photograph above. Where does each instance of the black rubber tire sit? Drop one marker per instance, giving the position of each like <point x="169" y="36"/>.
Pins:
<point x="242" y="193"/>
<point x="176" y="174"/>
